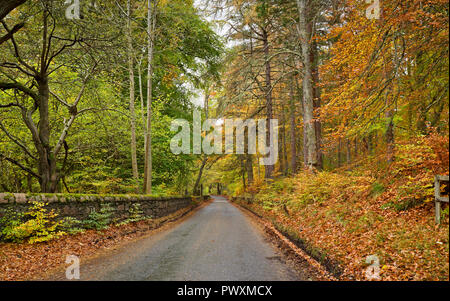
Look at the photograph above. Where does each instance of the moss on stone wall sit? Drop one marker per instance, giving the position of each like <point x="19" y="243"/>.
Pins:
<point x="81" y="205"/>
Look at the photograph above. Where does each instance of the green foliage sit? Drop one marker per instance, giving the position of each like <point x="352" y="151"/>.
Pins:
<point x="444" y="213"/>
<point x="365" y="222"/>
<point x="98" y="156"/>
<point x="283" y="186"/>
<point x="268" y="205"/>
<point x="38" y="227"/>
<point x="377" y="189"/>
<point x="71" y="225"/>
<point x="405" y="204"/>
<point x="10" y="220"/>
<point x="100" y="219"/>
<point x="135" y="214"/>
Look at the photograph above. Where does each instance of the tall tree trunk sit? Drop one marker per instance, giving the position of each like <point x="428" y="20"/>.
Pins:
<point x="348" y="151"/>
<point x="199" y="176"/>
<point x="282" y="145"/>
<point x="205" y="158"/>
<point x="339" y="152"/>
<point x="301" y="138"/>
<point x="248" y="159"/>
<point x="132" y="108"/>
<point x="292" y="128"/>
<point x="285" y="168"/>
<point x="421" y="123"/>
<point x="389" y="115"/>
<point x="206" y="103"/>
<point x="148" y="145"/>
<point x="141" y="97"/>
<point x="317" y="103"/>
<point x="47" y="161"/>
<point x="268" y="168"/>
<point x="243" y="171"/>
<point x="285" y="155"/>
<point x="249" y="167"/>
<point x="390" y="136"/>
<point x="308" y="93"/>
<point x="369" y="144"/>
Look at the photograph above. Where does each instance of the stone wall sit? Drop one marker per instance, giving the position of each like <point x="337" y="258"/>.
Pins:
<point x="80" y="206"/>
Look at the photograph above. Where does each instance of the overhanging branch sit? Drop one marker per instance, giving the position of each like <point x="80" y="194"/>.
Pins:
<point x="24" y="168"/>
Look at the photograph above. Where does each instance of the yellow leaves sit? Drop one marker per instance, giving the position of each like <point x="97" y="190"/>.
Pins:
<point x="40" y="227"/>
<point x="428" y="200"/>
<point x="363" y="55"/>
<point x="162" y="3"/>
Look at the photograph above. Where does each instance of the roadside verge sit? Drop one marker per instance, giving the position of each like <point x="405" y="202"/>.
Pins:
<point x="316" y="263"/>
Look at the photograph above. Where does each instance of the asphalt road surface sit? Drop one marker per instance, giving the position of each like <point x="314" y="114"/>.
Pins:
<point x="217" y="243"/>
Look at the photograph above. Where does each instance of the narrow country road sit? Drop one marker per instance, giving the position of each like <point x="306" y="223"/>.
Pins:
<point x="217" y="243"/>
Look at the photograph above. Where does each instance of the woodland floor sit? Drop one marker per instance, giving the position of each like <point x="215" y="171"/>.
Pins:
<point x="348" y="224"/>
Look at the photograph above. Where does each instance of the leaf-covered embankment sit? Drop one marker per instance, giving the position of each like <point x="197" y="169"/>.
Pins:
<point x="343" y="217"/>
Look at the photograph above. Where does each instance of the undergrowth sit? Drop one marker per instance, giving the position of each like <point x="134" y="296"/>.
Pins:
<point x="387" y="211"/>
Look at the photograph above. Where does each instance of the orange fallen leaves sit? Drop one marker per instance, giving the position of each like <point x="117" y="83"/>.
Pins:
<point x="33" y="261"/>
<point x="347" y="218"/>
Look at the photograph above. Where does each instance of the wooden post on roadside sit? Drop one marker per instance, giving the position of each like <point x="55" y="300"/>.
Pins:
<point x="438" y="198"/>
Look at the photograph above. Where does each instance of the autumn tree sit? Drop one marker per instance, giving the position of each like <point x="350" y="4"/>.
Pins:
<point x="27" y="73"/>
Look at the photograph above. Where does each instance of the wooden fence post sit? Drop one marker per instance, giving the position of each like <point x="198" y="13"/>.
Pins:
<point x="438" y="198"/>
